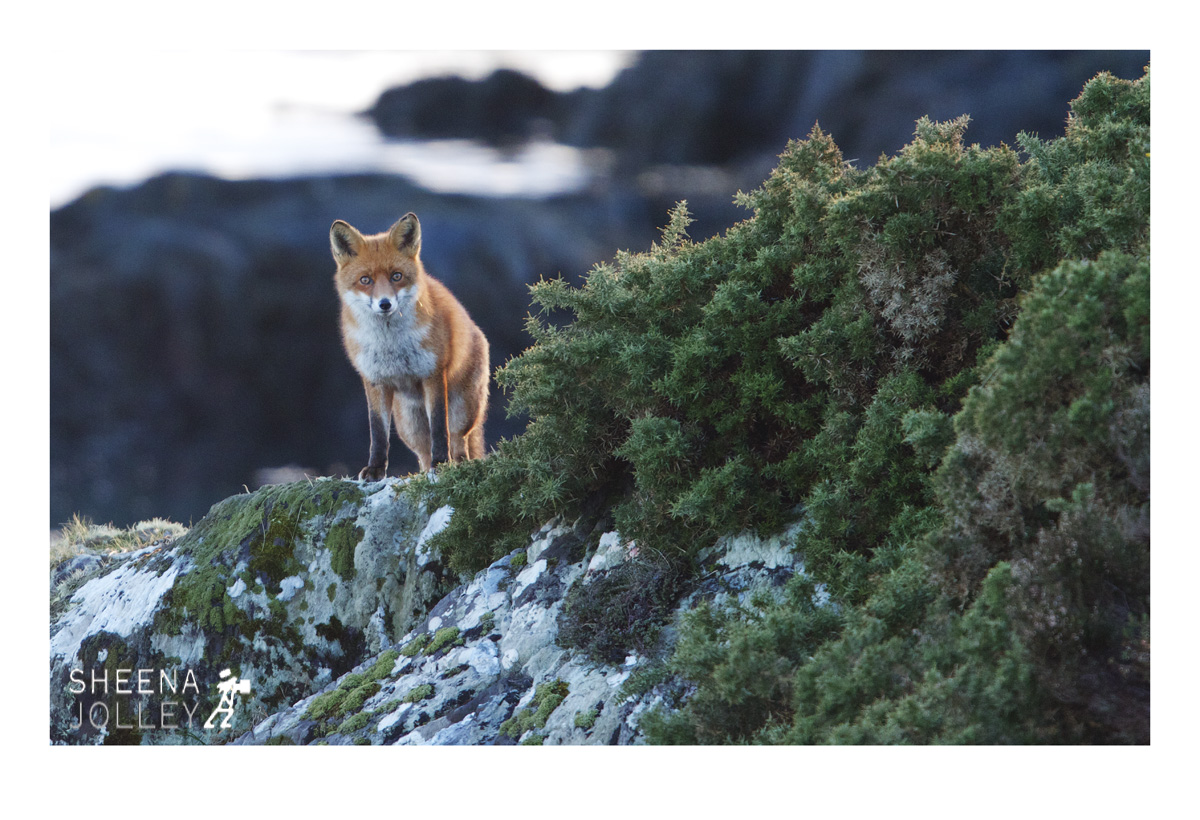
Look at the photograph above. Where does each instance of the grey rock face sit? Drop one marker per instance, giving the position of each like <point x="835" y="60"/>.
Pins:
<point x="317" y="613"/>
<point x="287" y="587"/>
<point x="487" y="665"/>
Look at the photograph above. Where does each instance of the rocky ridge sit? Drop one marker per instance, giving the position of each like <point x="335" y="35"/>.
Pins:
<point x="327" y="599"/>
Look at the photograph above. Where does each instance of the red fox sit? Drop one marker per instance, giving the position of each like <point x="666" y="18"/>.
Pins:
<point x="423" y="362"/>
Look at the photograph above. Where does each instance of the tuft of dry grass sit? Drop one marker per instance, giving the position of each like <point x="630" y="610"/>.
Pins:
<point x="81" y="534"/>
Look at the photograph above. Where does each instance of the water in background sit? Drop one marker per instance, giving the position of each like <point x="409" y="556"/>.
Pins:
<point x="241" y="115"/>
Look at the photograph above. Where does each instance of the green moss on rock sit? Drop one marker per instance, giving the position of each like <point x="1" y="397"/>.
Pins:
<point x="382" y="668"/>
<point x="586" y="720"/>
<point x="446" y="636"/>
<point x="546" y="698"/>
<point x="353" y="723"/>
<point x="419" y="693"/>
<point x="341" y="541"/>
<point x="326" y="705"/>
<point x="262" y="528"/>
<point x="414" y="647"/>
<point x="356" y="697"/>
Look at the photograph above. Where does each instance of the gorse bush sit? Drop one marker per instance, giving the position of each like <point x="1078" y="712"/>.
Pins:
<point x="942" y="362"/>
<point x="711" y="387"/>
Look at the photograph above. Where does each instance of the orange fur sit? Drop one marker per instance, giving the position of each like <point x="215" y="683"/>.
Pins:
<point x="423" y="361"/>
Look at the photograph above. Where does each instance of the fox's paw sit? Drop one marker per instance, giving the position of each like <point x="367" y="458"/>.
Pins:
<point x="370" y="473"/>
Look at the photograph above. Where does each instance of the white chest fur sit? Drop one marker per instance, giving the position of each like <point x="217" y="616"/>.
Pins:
<point x="390" y="349"/>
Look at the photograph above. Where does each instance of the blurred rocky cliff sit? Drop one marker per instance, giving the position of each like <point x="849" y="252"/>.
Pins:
<point x="729" y="107"/>
<point x="194" y="335"/>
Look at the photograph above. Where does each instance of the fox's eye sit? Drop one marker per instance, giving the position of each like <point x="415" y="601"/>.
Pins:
<point x="366" y="280"/>
<point x="397" y="276"/>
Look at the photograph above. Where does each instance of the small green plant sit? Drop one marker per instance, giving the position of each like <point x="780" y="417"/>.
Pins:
<point x="353" y="690"/>
<point x="414" y="647"/>
<point x="643" y="680"/>
<point x="546" y="698"/>
<point x="419" y="693"/>
<point x="586" y="720"/>
<point x="353" y="723"/>
<point x="446" y="636"/>
<point x="387" y="707"/>
<point x="325" y="705"/>
<point x="382" y="668"/>
<point x="356" y="697"/>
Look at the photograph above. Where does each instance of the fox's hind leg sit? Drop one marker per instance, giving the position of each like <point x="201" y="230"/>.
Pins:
<point x="475" y="441"/>
<point x="435" y="411"/>
<point x="466" y="409"/>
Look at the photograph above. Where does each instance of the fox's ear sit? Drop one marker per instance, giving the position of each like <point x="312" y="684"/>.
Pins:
<point x="344" y="240"/>
<point x="406" y="234"/>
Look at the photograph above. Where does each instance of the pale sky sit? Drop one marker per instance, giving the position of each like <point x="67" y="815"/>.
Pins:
<point x="275" y="113"/>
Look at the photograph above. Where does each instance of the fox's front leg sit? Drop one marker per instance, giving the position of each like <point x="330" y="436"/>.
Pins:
<point x="379" y="409"/>
<point x="412" y="424"/>
<point x="435" y="412"/>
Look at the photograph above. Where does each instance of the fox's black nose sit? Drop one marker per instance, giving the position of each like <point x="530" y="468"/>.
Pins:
<point x="385" y="305"/>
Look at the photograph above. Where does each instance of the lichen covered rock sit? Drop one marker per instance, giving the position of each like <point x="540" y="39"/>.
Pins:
<point x="490" y="665"/>
<point x="288" y="588"/>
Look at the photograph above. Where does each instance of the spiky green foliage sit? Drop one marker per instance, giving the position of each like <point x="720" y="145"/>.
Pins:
<point x="902" y="353"/>
<point x="1017" y="611"/>
<point x="1089" y="191"/>
<point x="710" y="387"/>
